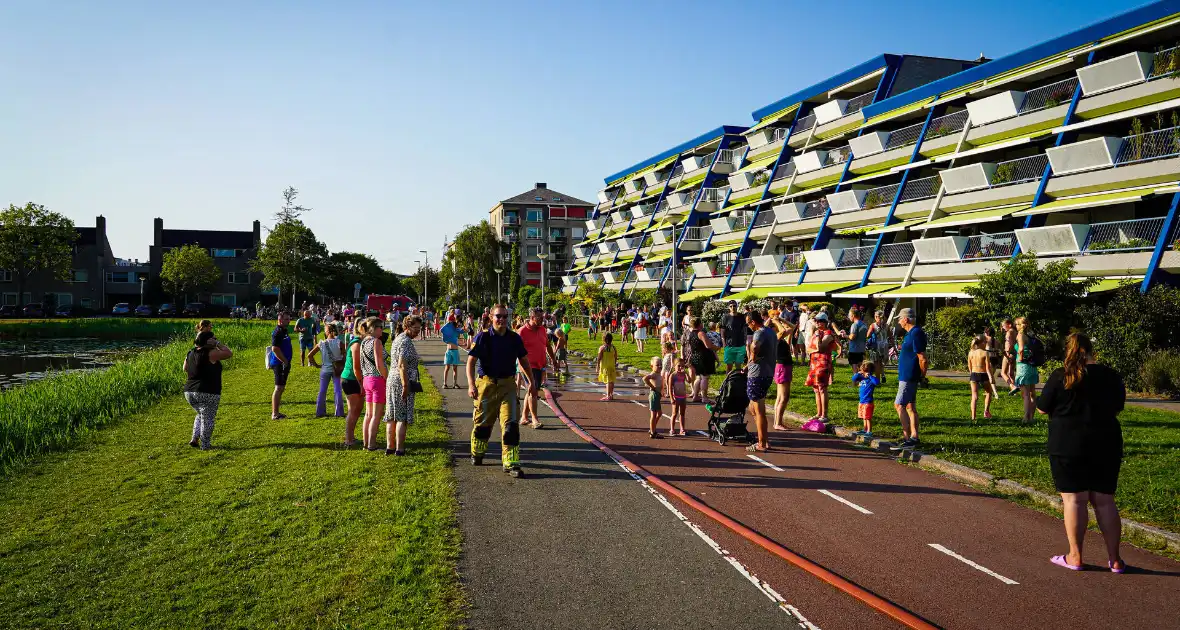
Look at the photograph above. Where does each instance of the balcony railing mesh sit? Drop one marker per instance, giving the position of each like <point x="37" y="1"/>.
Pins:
<point x="677" y="170"/>
<point x="1019" y="171"/>
<point x="743" y="267"/>
<point x="792" y="262"/>
<point x="805" y="123"/>
<point x="1166" y="63"/>
<point x="1131" y="235"/>
<point x="947" y="125"/>
<point x="880" y="196"/>
<point x="655" y="271"/>
<point x="903" y="137"/>
<point x="838" y="155"/>
<point x="740" y="222"/>
<point x="764" y="219"/>
<point x="1152" y="145"/>
<point x="784" y="171"/>
<point x="860" y="102"/>
<point x="698" y="233"/>
<point x="1048" y="96"/>
<point x="987" y="246"/>
<point x="895" y="254"/>
<point x="924" y="188"/>
<point x="855" y="257"/>
<point x="815" y="208"/>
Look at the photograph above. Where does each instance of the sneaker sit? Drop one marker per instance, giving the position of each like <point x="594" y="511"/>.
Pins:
<point x="914" y="443"/>
<point x="279" y="416"/>
<point x="389" y="451"/>
<point x="514" y="472"/>
<point x="194" y="443"/>
<point x="900" y="446"/>
<point x="537" y="424"/>
<point x="1014" y="391"/>
<point x="477" y="460"/>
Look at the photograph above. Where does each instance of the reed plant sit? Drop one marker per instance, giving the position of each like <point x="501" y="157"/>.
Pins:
<point x="111" y="327"/>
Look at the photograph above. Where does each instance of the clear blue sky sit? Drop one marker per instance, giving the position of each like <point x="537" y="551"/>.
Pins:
<point x="401" y="122"/>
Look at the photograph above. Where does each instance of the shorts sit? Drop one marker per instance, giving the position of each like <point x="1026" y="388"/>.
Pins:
<point x="856" y="358"/>
<point x="350" y="386"/>
<point x="451" y="357"/>
<point x="978" y="377"/>
<point x="282" y="371"/>
<point x="756" y="387"/>
<point x="734" y="355"/>
<point x="907" y="393"/>
<point x="1090" y="473"/>
<point x="653" y="401"/>
<point x="374" y="390"/>
<point x="538" y="377"/>
<point x="864" y="411"/>
<point x="306" y="344"/>
<point x="783" y="373"/>
<point x="562" y="354"/>
<point x="1026" y="374"/>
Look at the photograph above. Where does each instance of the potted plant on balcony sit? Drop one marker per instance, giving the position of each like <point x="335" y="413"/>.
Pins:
<point x="760" y="179"/>
<point x="1004" y="173"/>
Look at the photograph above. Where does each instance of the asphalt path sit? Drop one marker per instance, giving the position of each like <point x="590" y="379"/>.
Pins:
<point x="579" y="543"/>
<point x="955" y="556"/>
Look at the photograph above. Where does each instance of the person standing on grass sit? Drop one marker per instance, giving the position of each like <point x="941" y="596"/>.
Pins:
<point x="911" y="370"/>
<point x="858" y="335"/>
<point x="497" y="354"/>
<point x="592" y="325"/>
<point x="979" y="365"/>
<point x="640" y="330"/>
<point x="820" y="370"/>
<point x="784" y="368"/>
<point x="733" y="329"/>
<point x="279" y="362"/>
<point x="655" y="385"/>
<point x="607" y="362"/>
<point x="877" y="344"/>
<point x="762" y="355"/>
<point x="375" y="371"/>
<point x="803" y="328"/>
<point x="1008" y="365"/>
<point x="331" y="350"/>
<point x="350" y="382"/>
<point x="403" y="383"/>
<point x="701" y="355"/>
<point x="1083" y="399"/>
<point x="451" y="362"/>
<point x="536" y="343"/>
<point x="1027" y="375"/>
<point x="866" y="382"/>
<point x="305" y="326"/>
<point x="202" y="388"/>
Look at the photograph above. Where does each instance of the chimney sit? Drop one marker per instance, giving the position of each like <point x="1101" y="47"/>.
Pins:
<point x="100" y="229"/>
<point x="257" y="233"/>
<point x="541" y="185"/>
<point x="158" y="235"/>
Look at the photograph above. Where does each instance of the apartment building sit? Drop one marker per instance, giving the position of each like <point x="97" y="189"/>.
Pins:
<point x="877" y="185"/>
<point x="83" y="285"/>
<point x="543" y="222"/>
<point x="232" y="251"/>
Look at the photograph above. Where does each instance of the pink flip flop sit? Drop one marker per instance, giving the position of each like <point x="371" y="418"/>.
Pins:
<point x="1114" y="570"/>
<point x="1060" y="561"/>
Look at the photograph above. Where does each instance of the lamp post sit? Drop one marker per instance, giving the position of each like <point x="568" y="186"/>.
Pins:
<point x="141" y="279"/>
<point x="425" y="278"/>
<point x="421" y="301"/>
<point x="542" y="256"/>
<point x="498" y="271"/>
<point x="467" y="306"/>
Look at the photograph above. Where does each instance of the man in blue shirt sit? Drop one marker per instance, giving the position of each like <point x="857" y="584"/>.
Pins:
<point x="280" y="363"/>
<point x="499" y="352"/>
<point x="451" y="362"/>
<point x="858" y="334"/>
<point x="911" y="368"/>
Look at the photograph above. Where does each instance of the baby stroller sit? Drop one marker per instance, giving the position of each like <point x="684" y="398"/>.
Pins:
<point x="727" y="419"/>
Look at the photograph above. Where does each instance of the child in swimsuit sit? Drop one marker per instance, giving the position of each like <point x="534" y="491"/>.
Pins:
<point x="655" y="384"/>
<point x="679" y="390"/>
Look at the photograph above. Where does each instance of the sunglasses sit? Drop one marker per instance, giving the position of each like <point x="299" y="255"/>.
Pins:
<point x="499" y="316"/>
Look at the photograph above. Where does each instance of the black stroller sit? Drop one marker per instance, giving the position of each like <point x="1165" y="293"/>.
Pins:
<point x="727" y="419"/>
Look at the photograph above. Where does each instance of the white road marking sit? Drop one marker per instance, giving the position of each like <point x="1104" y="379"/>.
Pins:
<point x="846" y="502"/>
<point x="763" y="587"/>
<point x="759" y="459"/>
<point x="973" y="564"/>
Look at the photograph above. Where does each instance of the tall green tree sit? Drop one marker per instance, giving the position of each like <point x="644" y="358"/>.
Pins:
<point x="413" y="284"/>
<point x="513" y="270"/>
<point x="470" y="261"/>
<point x="344" y="269"/>
<point x="290" y="210"/>
<point x="291" y="259"/>
<point x="1022" y="288"/>
<point x="34" y="239"/>
<point x="188" y="270"/>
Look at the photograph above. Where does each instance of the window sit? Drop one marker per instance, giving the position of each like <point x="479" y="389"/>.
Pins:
<point x="533" y="233"/>
<point x="87" y="303"/>
<point x="116" y="277"/>
<point x="507" y="256"/>
<point x="557" y="198"/>
<point x="578" y="233"/>
<point x="239" y="277"/>
<point x="557" y="212"/>
<point x="225" y="253"/>
<point x="532" y="250"/>
<point x="224" y="299"/>
<point x="9" y="299"/>
<point x="511" y="218"/>
<point x="79" y="275"/>
<point x="63" y="299"/>
<point x="538" y="198"/>
<point x="5" y="275"/>
<point x="533" y="267"/>
<point x="533" y="214"/>
<point x="556" y="234"/>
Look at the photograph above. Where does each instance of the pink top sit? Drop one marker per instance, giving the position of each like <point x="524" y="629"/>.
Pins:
<point x="679" y="379"/>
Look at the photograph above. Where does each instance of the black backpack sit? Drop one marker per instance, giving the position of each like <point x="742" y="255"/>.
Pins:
<point x="1036" y="351"/>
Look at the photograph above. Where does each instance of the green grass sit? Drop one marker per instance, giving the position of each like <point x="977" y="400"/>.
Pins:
<point x="1149" y="486"/>
<point x="275" y="527"/>
<point x="114" y="327"/>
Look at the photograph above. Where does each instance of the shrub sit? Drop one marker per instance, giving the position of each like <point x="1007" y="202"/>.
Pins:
<point x="950" y="330"/>
<point x="1021" y="288"/>
<point x="1160" y="373"/>
<point x="1130" y="325"/>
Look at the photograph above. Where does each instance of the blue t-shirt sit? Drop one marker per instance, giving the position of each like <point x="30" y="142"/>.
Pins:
<point x="497" y="354"/>
<point x="907" y="362"/>
<point x="867" y="384"/>
<point x="858" y="333"/>
<point x="280" y="339"/>
<point x="450" y="333"/>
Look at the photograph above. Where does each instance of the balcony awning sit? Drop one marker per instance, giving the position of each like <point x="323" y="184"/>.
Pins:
<point x="753" y="292"/>
<point x="771" y="119"/>
<point x="611" y="265"/>
<point x="714" y="252"/>
<point x="868" y="290"/>
<point x="932" y="289"/>
<point x="689" y="182"/>
<point x="697" y="293"/>
<point x="745" y="204"/>
<point x="810" y="289"/>
<point x="900" y="111"/>
<point x="657" y="258"/>
<point x="760" y="163"/>
<point x="1088" y="201"/>
<point x="746" y="197"/>
<point x="972" y="216"/>
<point x="638" y="226"/>
<point x="1106" y="285"/>
<point x="896" y="227"/>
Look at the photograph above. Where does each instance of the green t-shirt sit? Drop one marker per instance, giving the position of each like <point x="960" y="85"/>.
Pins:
<point x="349" y="342"/>
<point x="308" y="326"/>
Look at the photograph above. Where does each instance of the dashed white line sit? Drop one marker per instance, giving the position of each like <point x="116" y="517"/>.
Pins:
<point x="759" y="459"/>
<point x="845" y="502"/>
<point x="973" y="564"/>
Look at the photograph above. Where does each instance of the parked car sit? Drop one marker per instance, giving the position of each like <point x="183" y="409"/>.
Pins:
<point x="34" y="310"/>
<point x="9" y="310"/>
<point x="167" y="310"/>
<point x="194" y="309"/>
<point x="122" y="308"/>
<point x="143" y="310"/>
<point x="70" y="310"/>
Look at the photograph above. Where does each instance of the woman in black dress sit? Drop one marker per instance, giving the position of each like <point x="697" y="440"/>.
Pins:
<point x="1083" y="400"/>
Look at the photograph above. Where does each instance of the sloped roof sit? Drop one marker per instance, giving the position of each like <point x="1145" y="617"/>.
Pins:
<point x="547" y="195"/>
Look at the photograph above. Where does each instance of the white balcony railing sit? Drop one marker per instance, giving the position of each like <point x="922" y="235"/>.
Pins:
<point x="1148" y="146"/>
<point x="895" y="254"/>
<point x="1122" y="236"/>
<point x="990" y="246"/>
<point x="731" y="156"/>
<point x="714" y="195"/>
<point x="1048" y="96"/>
<point x="1018" y="171"/>
<point x="699" y="233"/>
<point x="779" y="134"/>
<point x="859" y="103"/>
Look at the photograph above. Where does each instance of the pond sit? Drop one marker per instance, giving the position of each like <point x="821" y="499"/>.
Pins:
<point x="23" y="360"/>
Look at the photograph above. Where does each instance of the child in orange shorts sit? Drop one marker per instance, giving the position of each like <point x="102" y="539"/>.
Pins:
<point x="867" y="382"/>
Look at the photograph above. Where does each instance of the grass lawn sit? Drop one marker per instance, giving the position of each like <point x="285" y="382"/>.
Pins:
<point x="1149" y="484"/>
<point x="278" y="526"/>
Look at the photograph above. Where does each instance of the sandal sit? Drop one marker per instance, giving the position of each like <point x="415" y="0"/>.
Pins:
<point x="1061" y="562"/>
<point x="754" y="448"/>
<point x="1110" y="564"/>
<point x="655" y="436"/>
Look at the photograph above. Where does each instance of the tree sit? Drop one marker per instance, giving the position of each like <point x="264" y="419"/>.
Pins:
<point x="590" y="293"/>
<point x="290" y="210"/>
<point x="413" y="284"/>
<point x="188" y="269"/>
<point x="527" y="296"/>
<point x="291" y="258"/>
<point x="513" y="270"/>
<point x="1021" y="288"/>
<point x="471" y="260"/>
<point x="342" y="270"/>
<point x="34" y="239"/>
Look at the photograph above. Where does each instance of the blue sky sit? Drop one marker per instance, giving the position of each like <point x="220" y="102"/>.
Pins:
<point x="401" y="122"/>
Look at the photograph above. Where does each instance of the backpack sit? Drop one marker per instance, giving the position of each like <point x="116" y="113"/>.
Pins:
<point x="1036" y="350"/>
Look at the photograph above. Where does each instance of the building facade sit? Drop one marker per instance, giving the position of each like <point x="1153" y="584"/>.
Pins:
<point x="906" y="178"/>
<point x="83" y="285"/>
<point x="232" y="251"/>
<point x="545" y="222"/>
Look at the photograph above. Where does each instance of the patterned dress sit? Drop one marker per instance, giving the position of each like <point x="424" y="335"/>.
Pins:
<point x="820" y="371"/>
<point x="397" y="409"/>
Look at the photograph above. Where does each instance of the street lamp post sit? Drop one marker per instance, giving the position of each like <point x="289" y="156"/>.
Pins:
<point x="467" y="308"/>
<point x="542" y="256"/>
<point x="498" y="271"/>
<point x="425" y="278"/>
<point x="421" y="300"/>
<point x="141" y="279"/>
